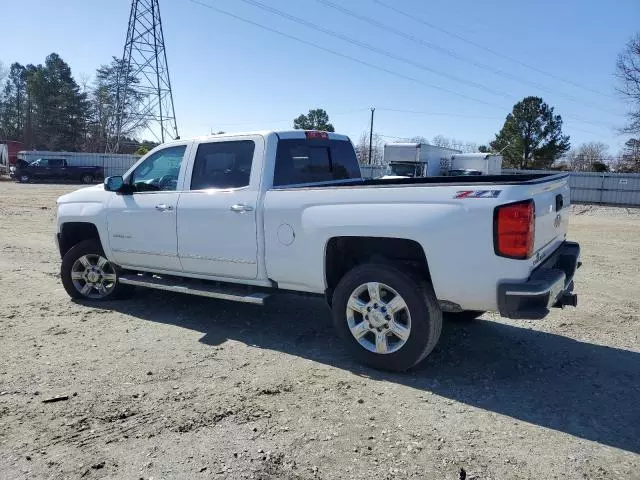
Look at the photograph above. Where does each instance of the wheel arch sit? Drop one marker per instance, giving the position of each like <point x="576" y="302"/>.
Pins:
<point x="345" y="252"/>
<point x="72" y="233"/>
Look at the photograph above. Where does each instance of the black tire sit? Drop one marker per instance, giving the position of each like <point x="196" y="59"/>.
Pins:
<point x="24" y="178"/>
<point x="423" y="307"/>
<point x="89" y="247"/>
<point x="464" y="316"/>
<point x="87" y="178"/>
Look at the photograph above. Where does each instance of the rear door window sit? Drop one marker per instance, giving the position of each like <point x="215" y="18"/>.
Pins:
<point x="223" y="165"/>
<point x="312" y="161"/>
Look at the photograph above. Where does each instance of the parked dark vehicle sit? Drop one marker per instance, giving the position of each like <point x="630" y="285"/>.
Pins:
<point x="13" y="169"/>
<point x="57" y="169"/>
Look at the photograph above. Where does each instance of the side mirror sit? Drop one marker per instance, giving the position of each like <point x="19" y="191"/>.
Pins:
<point x="113" y="184"/>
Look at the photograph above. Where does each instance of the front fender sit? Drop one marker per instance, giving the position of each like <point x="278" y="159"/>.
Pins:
<point x="86" y="205"/>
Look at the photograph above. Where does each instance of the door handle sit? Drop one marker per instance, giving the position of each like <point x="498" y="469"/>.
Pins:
<point x="241" y="208"/>
<point x="163" y="207"/>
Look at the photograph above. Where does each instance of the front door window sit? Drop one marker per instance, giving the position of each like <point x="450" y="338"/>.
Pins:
<point x="159" y="172"/>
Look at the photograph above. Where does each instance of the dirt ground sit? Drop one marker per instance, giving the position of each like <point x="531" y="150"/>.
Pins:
<point x="167" y="386"/>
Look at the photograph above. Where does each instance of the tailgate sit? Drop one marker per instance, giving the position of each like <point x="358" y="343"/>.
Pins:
<point x="552" y="215"/>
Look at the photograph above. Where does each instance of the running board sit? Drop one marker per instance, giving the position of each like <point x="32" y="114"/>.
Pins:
<point x="194" y="287"/>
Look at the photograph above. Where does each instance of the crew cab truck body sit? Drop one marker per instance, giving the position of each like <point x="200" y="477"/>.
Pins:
<point x="57" y="169"/>
<point x="242" y="216"/>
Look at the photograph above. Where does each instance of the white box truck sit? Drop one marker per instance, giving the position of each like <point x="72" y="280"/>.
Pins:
<point x="416" y="160"/>
<point x="475" y="164"/>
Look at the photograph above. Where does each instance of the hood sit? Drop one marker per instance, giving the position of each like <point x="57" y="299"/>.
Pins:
<point x="93" y="194"/>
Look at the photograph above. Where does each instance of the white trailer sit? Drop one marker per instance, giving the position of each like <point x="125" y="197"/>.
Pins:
<point x="112" y="163"/>
<point x="485" y="163"/>
<point x="416" y="159"/>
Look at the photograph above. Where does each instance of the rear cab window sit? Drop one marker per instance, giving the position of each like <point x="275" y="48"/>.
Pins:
<point x="307" y="161"/>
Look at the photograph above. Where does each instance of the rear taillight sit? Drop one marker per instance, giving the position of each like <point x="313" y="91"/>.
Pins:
<point x="514" y="229"/>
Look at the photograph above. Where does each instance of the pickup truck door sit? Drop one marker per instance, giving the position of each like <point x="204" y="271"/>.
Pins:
<point x="56" y="168"/>
<point x="217" y="212"/>
<point x="40" y="168"/>
<point x="142" y="225"/>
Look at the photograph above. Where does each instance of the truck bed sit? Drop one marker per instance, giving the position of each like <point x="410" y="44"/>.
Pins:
<point x="509" y="179"/>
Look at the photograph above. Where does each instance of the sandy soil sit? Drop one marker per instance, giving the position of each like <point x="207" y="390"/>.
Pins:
<point x="167" y="386"/>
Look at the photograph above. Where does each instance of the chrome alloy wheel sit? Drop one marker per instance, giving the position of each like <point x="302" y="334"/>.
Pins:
<point x="378" y="318"/>
<point x="93" y="276"/>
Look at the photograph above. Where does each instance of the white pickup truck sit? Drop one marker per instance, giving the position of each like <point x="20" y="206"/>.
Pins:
<point x="240" y="217"/>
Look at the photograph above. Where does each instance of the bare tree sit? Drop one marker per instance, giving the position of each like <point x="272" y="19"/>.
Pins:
<point x="362" y="149"/>
<point x="628" y="160"/>
<point x="469" y="147"/>
<point x="466" y="147"/>
<point x="4" y="73"/>
<point x="441" y="141"/>
<point x="83" y="80"/>
<point x="583" y="158"/>
<point x="628" y="72"/>
<point x="377" y="152"/>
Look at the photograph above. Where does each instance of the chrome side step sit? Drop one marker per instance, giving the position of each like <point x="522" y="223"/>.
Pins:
<point x="194" y="287"/>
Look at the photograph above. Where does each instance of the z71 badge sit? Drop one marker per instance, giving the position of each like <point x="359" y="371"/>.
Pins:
<point x="478" y="194"/>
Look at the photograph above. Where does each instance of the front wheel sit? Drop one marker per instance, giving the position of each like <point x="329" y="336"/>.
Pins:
<point x="87" y="274"/>
<point x="389" y="319"/>
<point x="24" y="178"/>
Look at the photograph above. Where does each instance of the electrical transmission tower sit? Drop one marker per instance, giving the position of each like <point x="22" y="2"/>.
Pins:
<point x="144" y="101"/>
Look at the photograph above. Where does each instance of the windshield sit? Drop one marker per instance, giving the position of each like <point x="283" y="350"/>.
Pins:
<point x="404" y="169"/>
<point x="464" y="172"/>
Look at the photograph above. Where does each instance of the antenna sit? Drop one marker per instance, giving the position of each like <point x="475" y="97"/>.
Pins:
<point x="144" y="100"/>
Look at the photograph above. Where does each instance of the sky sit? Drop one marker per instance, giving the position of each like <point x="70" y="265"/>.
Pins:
<point x="433" y="67"/>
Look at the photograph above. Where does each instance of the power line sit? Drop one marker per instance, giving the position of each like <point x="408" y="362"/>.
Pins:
<point x="438" y="114"/>
<point x="483" y="117"/>
<point x="393" y="110"/>
<point x="288" y="119"/>
<point x="418" y="112"/>
<point x="451" y="53"/>
<point x="354" y="59"/>
<point x="339" y="54"/>
<point x="374" y="49"/>
<point x="487" y="49"/>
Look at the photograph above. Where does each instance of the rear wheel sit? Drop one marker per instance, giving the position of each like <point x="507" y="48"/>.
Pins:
<point x="87" y="178"/>
<point x="388" y="319"/>
<point x="87" y="274"/>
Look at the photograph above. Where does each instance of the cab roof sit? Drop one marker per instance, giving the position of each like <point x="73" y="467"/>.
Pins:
<point x="283" y="134"/>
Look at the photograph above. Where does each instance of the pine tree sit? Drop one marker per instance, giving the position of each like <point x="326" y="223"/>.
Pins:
<point x="58" y="107"/>
<point x="12" y="104"/>
<point x="531" y="136"/>
<point x="315" y="120"/>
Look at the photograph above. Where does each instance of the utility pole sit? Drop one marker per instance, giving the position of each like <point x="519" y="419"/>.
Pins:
<point x="371" y="135"/>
